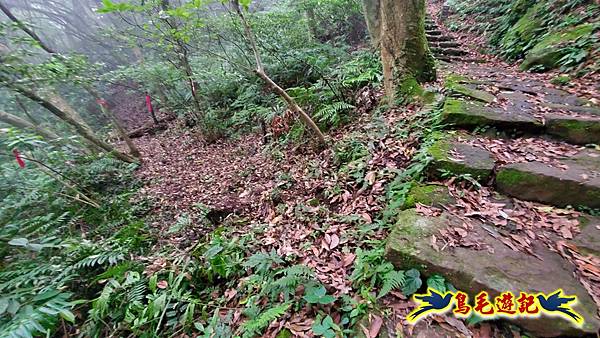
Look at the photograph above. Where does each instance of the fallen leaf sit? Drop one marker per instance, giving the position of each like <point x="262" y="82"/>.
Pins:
<point x="376" y="323"/>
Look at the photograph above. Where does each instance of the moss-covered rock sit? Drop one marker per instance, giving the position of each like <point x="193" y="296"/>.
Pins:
<point x="535" y="181"/>
<point x="552" y="48"/>
<point x="451" y="156"/>
<point x="497" y="269"/>
<point x="428" y="194"/>
<point x="470" y="114"/>
<point x="577" y="130"/>
<point x="520" y="35"/>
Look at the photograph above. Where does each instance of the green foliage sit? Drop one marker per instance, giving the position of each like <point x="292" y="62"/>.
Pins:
<point x="316" y="294"/>
<point x="372" y="270"/>
<point x="263" y="320"/>
<point x="514" y="28"/>
<point x="39" y="215"/>
<point x="325" y="327"/>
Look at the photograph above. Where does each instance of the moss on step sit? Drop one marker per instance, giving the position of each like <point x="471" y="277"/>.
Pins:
<point x="409" y="230"/>
<point x="473" y="161"/>
<point x="574" y="130"/>
<point x="427" y="194"/>
<point x="471" y="114"/>
<point x="510" y="177"/>
<point x="551" y="49"/>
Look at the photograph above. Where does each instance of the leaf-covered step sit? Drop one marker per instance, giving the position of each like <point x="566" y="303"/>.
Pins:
<point x="450" y="156"/>
<point x="445" y="44"/>
<point x="434" y="32"/>
<point x="494" y="267"/>
<point x="439" y="38"/>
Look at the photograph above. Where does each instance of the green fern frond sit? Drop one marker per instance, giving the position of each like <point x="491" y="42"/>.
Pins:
<point x="264" y="319"/>
<point x="391" y="281"/>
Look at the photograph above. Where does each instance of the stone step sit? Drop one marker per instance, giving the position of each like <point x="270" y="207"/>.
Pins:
<point x="439" y="38"/>
<point x="576" y="184"/>
<point x="574" y="129"/>
<point x="444" y="44"/>
<point x="470" y="114"/>
<point x="469" y="91"/>
<point x="449" y="51"/>
<point x="494" y="268"/>
<point x="456" y="158"/>
<point x="452" y="58"/>
<point x="433" y="32"/>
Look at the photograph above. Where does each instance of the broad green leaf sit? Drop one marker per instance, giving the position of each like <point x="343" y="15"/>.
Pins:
<point x="18" y="241"/>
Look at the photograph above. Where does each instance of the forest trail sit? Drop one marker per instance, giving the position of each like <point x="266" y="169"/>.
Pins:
<point x="524" y="141"/>
<point x="501" y="124"/>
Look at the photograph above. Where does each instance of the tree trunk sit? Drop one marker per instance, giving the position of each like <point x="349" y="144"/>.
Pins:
<point x="183" y="56"/>
<point x="133" y="150"/>
<point x="53" y="96"/>
<point x="20" y="123"/>
<point x="397" y="27"/>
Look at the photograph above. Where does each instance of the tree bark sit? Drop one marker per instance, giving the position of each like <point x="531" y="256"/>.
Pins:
<point x="397" y="27"/>
<point x="20" y="123"/>
<point x="274" y="86"/>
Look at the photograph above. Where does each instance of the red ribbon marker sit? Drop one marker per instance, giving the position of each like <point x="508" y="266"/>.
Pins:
<point x="149" y="104"/>
<point x="19" y="159"/>
<point x="102" y="102"/>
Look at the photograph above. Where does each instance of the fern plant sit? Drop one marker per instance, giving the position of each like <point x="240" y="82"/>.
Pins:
<point x="255" y="326"/>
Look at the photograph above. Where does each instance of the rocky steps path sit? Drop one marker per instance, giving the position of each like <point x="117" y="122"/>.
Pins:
<point x="533" y="149"/>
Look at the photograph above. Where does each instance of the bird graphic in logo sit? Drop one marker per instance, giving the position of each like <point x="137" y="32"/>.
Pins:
<point x="431" y="302"/>
<point x="558" y="303"/>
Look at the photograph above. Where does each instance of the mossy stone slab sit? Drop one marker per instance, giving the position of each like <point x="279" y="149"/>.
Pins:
<point x="458" y="158"/>
<point x="552" y="48"/>
<point x="470" y="114"/>
<point x="576" y="130"/>
<point x="472" y="271"/>
<point x="470" y="92"/>
<point x="434" y="195"/>
<point x="535" y="181"/>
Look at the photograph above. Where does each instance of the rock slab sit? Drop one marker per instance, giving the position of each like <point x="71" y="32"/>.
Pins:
<point x="578" y="185"/>
<point x="473" y="271"/>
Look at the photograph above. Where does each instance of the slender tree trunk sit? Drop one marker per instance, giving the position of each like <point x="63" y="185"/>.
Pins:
<point x="133" y="150"/>
<point x="274" y="86"/>
<point x="20" y="123"/>
<point x="397" y="27"/>
<point x="25" y="29"/>
<point x="26" y="112"/>
<point x="184" y="61"/>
